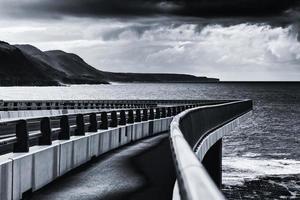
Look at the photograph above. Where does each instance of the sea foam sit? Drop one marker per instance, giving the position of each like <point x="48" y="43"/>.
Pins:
<point x="238" y="169"/>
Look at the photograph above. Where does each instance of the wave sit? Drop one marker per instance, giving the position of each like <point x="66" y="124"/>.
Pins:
<point x="238" y="169"/>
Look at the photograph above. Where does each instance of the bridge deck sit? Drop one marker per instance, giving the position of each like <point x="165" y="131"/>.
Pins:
<point x="143" y="170"/>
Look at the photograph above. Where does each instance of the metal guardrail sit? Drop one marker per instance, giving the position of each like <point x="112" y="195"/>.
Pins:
<point x="20" y="134"/>
<point x="28" y="169"/>
<point x="188" y="129"/>
<point x="72" y="104"/>
<point x="185" y="134"/>
<point x="93" y="104"/>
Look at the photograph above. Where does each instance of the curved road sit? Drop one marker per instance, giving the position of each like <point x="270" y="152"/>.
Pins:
<point x="143" y="170"/>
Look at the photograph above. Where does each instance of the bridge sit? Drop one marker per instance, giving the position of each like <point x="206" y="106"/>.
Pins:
<point x="41" y="141"/>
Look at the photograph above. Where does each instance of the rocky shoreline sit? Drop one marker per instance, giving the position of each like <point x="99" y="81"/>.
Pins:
<point x="265" y="187"/>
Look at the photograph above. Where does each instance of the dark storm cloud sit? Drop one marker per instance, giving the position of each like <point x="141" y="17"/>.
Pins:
<point x="237" y="7"/>
<point x="95" y="8"/>
<point x="229" y="39"/>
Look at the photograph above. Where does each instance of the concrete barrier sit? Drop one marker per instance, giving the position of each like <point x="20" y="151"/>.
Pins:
<point x="33" y="170"/>
<point x="81" y="150"/>
<point x="138" y="131"/>
<point x="65" y="157"/>
<point x="6" y="175"/>
<point x="145" y="129"/>
<point x="10" y="115"/>
<point x="94" y="144"/>
<point x="196" y="145"/>
<point x="73" y="153"/>
<point x="157" y="126"/>
<point x="22" y="173"/>
<point x="104" y="141"/>
<point x="130" y="132"/>
<point x="26" y="172"/>
<point x="218" y="134"/>
<point x="114" y="138"/>
<point x="45" y="165"/>
<point x="123" y="135"/>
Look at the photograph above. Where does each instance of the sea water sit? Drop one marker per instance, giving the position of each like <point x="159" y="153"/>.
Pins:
<point x="261" y="159"/>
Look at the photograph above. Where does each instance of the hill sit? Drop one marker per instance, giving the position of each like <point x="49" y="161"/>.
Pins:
<point x="27" y="65"/>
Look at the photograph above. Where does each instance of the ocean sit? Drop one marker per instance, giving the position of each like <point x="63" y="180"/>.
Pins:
<point x="261" y="159"/>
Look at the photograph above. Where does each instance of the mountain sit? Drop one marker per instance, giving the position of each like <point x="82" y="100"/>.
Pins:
<point x="27" y="65"/>
<point x="17" y="69"/>
<point x="157" y="78"/>
<point x="73" y="68"/>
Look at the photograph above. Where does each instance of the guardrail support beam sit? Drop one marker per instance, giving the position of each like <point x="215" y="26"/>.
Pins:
<point x="46" y="138"/>
<point x="145" y="115"/>
<point x="79" y="125"/>
<point x="122" y="118"/>
<point x="138" y="115"/>
<point x="163" y="112"/>
<point x="151" y="114"/>
<point x="157" y="113"/>
<point x="130" y="119"/>
<point x="104" y="121"/>
<point x="174" y="111"/>
<point x="93" y="123"/>
<point x="114" y="119"/>
<point x="64" y="128"/>
<point x="22" y="144"/>
<point x="169" y="112"/>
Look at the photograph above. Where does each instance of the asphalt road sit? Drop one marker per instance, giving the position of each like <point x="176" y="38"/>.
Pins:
<point x="143" y="170"/>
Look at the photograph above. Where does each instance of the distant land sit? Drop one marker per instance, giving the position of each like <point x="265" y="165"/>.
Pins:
<point x="26" y="65"/>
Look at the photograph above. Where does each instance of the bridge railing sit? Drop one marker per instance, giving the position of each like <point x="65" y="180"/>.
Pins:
<point x="42" y="149"/>
<point x="19" y="135"/>
<point x="196" y="144"/>
<point x="73" y="104"/>
<point x="93" y="104"/>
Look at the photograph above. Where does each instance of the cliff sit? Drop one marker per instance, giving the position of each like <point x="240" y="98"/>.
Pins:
<point x="27" y="65"/>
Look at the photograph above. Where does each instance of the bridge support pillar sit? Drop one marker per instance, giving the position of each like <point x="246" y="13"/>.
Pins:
<point x="212" y="162"/>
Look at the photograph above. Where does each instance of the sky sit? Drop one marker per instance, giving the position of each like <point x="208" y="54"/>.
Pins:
<point x="237" y="40"/>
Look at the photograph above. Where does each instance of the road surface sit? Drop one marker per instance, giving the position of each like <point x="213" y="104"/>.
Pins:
<point x="143" y="170"/>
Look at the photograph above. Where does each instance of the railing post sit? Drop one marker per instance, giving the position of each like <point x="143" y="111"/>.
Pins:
<point x="145" y="115"/>
<point x="157" y="113"/>
<point x="79" y="125"/>
<point x="122" y="118"/>
<point x="138" y="115"/>
<point x="177" y="110"/>
<point x="163" y="112"/>
<point x="169" y="113"/>
<point x="46" y="138"/>
<point x="151" y="114"/>
<point x="182" y="108"/>
<point x="93" y="123"/>
<point x="114" y="119"/>
<point x="22" y="144"/>
<point x="130" y="117"/>
<point x="64" y="128"/>
<point x="104" y="121"/>
<point x="174" y="112"/>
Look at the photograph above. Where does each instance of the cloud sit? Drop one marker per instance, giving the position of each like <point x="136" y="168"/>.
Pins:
<point x="100" y="8"/>
<point x="109" y="37"/>
<point x="234" y="52"/>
